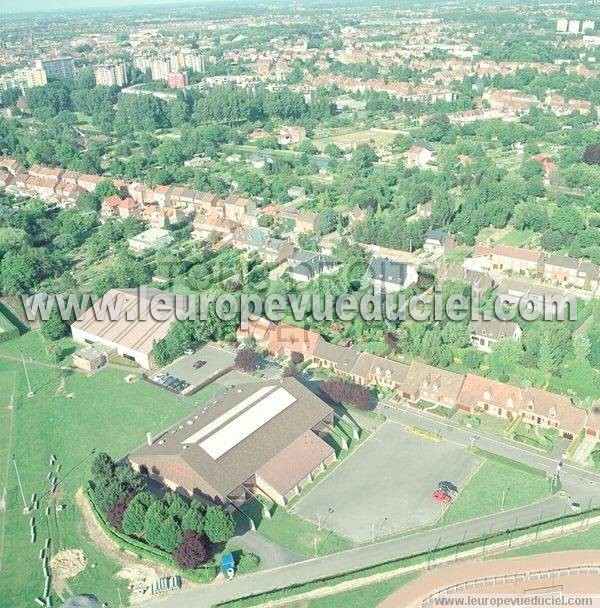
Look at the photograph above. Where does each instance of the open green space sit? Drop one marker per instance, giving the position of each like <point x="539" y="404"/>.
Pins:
<point x="72" y="416"/>
<point x="497" y="483"/>
<point x="586" y="539"/>
<point x="293" y="532"/>
<point x="515" y="238"/>
<point x="368" y="596"/>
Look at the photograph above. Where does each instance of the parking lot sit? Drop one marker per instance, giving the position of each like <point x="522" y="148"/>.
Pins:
<point x="189" y="369"/>
<point x="386" y="485"/>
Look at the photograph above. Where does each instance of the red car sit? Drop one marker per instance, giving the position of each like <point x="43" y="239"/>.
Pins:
<point x="442" y="497"/>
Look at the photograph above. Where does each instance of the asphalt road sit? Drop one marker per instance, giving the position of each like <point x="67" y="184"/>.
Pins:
<point x="579" y="484"/>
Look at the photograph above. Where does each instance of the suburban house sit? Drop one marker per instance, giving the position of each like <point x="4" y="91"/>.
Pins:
<point x="356" y="215"/>
<point x="419" y="155"/>
<point x="263" y="438"/>
<point x="275" y="251"/>
<point x="306" y="222"/>
<point x="122" y="320"/>
<point x="249" y="239"/>
<point x="564" y="270"/>
<point x="504" y="258"/>
<point x="546" y="300"/>
<point x="149" y="240"/>
<point x="388" y="276"/>
<point x="516" y="259"/>
<point x="291" y="135"/>
<point x="309" y="266"/>
<point x="281" y="339"/>
<point x="483" y="394"/>
<point x="437" y="386"/>
<point x="437" y="242"/>
<point x="485" y="333"/>
<point x="480" y="282"/>
<point x="549" y="410"/>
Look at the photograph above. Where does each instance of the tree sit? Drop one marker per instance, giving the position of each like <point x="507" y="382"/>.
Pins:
<point x="116" y="512"/>
<point x="176" y="505"/>
<point x="103" y="466"/>
<point x="135" y="514"/>
<point x="591" y="156"/>
<point x="156" y="516"/>
<point x="505" y="357"/>
<point x="55" y="327"/>
<point x="546" y="356"/>
<point x="327" y="221"/>
<point x="248" y="360"/>
<point x="192" y="551"/>
<point x="218" y="524"/>
<point x="291" y="371"/>
<point x="347" y="393"/>
<point x="581" y="348"/>
<point x="170" y="534"/>
<point x="194" y="517"/>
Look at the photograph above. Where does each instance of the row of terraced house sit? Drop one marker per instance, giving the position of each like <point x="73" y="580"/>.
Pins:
<point x="421" y="382"/>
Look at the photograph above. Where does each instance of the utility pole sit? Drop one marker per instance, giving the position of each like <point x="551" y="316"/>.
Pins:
<point x="504" y="492"/>
<point x="30" y="393"/>
<point x="19" y="482"/>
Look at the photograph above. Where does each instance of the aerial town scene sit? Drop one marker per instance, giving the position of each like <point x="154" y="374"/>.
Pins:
<point x="299" y="303"/>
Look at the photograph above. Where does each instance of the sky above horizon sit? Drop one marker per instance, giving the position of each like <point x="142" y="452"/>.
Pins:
<point x="19" y="6"/>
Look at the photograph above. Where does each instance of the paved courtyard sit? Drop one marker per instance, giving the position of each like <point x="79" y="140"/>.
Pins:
<point x="216" y="359"/>
<point x="385" y="486"/>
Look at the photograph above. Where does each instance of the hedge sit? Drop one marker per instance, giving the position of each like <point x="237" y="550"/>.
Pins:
<point x="8" y="331"/>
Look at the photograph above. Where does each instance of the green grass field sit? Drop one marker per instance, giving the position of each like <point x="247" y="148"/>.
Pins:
<point x="586" y="540"/>
<point x="483" y="493"/>
<point x="70" y="415"/>
<point x="516" y="238"/>
<point x="368" y="596"/>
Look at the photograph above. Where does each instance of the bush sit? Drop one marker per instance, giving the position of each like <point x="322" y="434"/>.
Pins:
<point x="247" y="562"/>
<point x="192" y="551"/>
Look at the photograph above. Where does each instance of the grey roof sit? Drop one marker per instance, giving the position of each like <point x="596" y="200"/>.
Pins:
<point x="564" y="261"/>
<point x="239" y="463"/>
<point x="314" y="266"/>
<point x="493" y="328"/>
<point x="344" y="358"/>
<point x="439" y="236"/>
<point x="384" y="269"/>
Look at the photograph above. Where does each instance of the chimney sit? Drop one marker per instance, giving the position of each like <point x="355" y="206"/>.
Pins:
<point x="149" y="438"/>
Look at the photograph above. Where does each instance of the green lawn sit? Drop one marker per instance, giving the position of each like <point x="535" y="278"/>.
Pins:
<point x="102" y="413"/>
<point x="35" y="348"/>
<point x="516" y="238"/>
<point x="483" y="493"/>
<point x="368" y="596"/>
<point x="295" y="533"/>
<point x="577" y="541"/>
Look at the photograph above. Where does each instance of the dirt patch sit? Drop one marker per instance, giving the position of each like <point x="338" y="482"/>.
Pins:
<point x="139" y="577"/>
<point x="66" y="564"/>
<point x="61" y="387"/>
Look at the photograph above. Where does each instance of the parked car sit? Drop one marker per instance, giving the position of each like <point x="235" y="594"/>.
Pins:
<point x="442" y="497"/>
<point x="189" y="351"/>
<point x="448" y="488"/>
<point x="198" y="364"/>
<point x="576" y="507"/>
